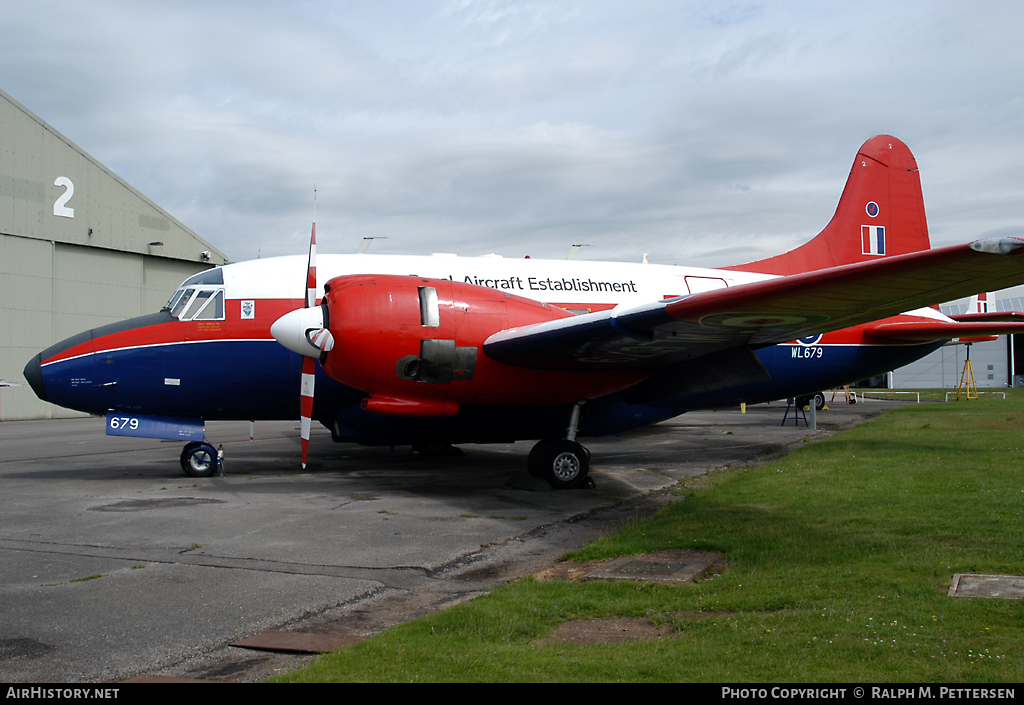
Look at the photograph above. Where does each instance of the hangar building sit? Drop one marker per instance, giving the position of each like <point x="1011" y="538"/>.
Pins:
<point x="79" y="248"/>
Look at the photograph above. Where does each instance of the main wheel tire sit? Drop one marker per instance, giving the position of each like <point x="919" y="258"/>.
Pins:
<point x="199" y="459"/>
<point x="819" y="400"/>
<point x="564" y="464"/>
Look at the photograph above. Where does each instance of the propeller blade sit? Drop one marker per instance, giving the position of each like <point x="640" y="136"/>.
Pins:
<point x="311" y="271"/>
<point x="309" y="363"/>
<point x="322" y="339"/>
<point x="306" y="403"/>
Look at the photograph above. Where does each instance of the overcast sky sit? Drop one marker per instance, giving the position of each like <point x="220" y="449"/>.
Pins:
<point x="701" y="133"/>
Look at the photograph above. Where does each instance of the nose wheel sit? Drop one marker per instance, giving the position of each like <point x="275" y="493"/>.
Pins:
<point x="199" y="459"/>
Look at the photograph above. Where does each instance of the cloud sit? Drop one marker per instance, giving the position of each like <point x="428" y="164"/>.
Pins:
<point x="692" y="132"/>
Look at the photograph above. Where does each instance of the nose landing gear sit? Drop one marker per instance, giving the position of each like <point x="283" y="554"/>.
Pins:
<point x="199" y="459"/>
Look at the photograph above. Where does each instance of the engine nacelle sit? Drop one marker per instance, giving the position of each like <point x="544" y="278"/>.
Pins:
<point x="415" y="346"/>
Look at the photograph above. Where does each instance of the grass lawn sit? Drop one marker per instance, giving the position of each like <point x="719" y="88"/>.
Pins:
<point x="839" y="561"/>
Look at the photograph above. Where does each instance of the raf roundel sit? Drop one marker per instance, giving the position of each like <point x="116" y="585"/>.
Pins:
<point x="871" y="208"/>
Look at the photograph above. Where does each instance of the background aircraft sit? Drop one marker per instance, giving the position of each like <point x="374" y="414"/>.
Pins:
<point x="446" y="350"/>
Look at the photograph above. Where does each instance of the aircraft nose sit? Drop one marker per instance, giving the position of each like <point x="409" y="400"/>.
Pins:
<point x="291" y="330"/>
<point x="34" y="375"/>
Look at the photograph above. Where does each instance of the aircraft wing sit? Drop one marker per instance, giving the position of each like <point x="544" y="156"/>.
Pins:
<point x="758" y="314"/>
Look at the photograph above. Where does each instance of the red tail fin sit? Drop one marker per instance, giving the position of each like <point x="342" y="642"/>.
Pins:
<point x="881" y="213"/>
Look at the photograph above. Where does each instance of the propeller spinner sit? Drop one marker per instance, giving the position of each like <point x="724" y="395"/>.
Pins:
<point x="304" y="331"/>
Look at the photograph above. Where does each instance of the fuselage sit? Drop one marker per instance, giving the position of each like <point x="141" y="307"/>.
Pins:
<point x="210" y="353"/>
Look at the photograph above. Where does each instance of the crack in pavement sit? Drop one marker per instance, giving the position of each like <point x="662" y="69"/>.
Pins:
<point x="390" y="576"/>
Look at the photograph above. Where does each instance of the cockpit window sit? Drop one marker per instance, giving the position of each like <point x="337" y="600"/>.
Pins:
<point x="194" y="303"/>
<point x="203" y="305"/>
<point x="201" y="296"/>
<point x="210" y="276"/>
<point x="174" y="300"/>
<point x="181" y="298"/>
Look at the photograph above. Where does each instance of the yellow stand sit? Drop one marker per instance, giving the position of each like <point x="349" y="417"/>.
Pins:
<point x="967" y="379"/>
<point x="846" y="389"/>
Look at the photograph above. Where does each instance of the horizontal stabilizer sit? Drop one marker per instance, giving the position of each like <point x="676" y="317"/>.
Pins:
<point x="991" y="317"/>
<point x="920" y="332"/>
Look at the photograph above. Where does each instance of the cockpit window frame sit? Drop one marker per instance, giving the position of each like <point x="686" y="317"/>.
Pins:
<point x="187" y="293"/>
<point x="187" y="303"/>
<point x="173" y="300"/>
<point x="202" y="300"/>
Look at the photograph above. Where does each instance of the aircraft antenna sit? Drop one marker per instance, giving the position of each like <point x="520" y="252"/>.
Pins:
<point x="574" y="250"/>
<point x="365" y="244"/>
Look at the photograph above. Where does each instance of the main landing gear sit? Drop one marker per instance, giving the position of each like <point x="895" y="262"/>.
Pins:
<point x="818" y="399"/>
<point x="563" y="463"/>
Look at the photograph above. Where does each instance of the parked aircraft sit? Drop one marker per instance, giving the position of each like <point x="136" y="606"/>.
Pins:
<point x="446" y="350"/>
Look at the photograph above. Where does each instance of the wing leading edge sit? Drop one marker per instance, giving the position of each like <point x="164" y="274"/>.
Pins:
<point x="758" y="314"/>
